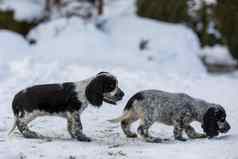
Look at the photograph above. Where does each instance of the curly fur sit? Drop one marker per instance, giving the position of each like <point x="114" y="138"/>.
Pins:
<point x="175" y="109"/>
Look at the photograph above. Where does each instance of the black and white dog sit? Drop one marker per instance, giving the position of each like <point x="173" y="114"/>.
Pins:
<point x="67" y="100"/>
<point x="175" y="109"/>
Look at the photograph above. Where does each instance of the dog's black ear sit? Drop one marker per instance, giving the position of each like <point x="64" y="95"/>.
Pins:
<point x="109" y="81"/>
<point x="94" y="92"/>
<point x="102" y="73"/>
<point x="221" y="113"/>
<point x="209" y="125"/>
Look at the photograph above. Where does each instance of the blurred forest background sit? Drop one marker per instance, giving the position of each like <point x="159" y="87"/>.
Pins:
<point x="215" y="22"/>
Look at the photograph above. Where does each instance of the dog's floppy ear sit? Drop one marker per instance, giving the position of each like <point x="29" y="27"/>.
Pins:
<point x="103" y="72"/>
<point x="209" y="125"/>
<point x="94" y="92"/>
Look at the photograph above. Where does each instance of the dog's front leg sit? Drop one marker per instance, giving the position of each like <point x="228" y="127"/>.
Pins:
<point x="178" y="130"/>
<point x="75" y="127"/>
<point x="190" y="131"/>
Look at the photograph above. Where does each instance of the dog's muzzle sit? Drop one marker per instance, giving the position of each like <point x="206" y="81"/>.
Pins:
<point x="113" y="98"/>
<point x="119" y="95"/>
<point x="224" y="127"/>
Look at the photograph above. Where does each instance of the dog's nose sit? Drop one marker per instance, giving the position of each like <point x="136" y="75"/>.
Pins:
<point x="226" y="128"/>
<point x="120" y="94"/>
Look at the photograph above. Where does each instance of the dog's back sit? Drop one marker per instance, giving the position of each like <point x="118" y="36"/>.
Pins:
<point x="47" y="98"/>
<point x="158" y="99"/>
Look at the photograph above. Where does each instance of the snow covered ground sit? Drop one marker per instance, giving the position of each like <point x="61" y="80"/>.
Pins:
<point x="72" y="50"/>
<point x="217" y="55"/>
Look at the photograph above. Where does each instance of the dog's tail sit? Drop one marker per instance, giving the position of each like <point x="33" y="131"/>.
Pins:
<point x="13" y="127"/>
<point x="119" y="119"/>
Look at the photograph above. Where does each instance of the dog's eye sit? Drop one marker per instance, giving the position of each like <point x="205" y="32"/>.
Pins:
<point x="111" y="86"/>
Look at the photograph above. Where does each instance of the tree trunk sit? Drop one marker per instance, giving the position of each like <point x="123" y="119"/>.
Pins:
<point x="100" y="6"/>
<point x="226" y="14"/>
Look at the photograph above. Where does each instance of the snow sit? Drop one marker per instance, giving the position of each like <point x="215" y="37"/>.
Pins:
<point x="27" y="10"/>
<point x="72" y="50"/>
<point x="217" y="55"/>
<point x="73" y="32"/>
<point x="8" y="52"/>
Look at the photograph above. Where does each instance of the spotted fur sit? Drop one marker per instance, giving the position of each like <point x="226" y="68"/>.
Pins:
<point x="175" y="109"/>
<point x="67" y="100"/>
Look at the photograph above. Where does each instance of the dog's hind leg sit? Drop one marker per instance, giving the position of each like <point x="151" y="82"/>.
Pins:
<point x="143" y="131"/>
<point x="22" y="123"/>
<point x="190" y="131"/>
<point x="126" y="125"/>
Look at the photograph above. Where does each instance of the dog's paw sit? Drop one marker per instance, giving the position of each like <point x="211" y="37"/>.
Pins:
<point x="158" y="140"/>
<point x="180" y="138"/>
<point x="32" y="135"/>
<point x="132" y="136"/>
<point x="153" y="140"/>
<point x="201" y="136"/>
<point x="84" y="139"/>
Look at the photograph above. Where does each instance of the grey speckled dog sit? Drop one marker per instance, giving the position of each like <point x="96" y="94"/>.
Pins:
<point x="174" y="109"/>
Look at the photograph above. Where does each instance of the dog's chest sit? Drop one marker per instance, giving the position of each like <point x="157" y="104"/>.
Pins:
<point x="83" y="100"/>
<point x="80" y="89"/>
